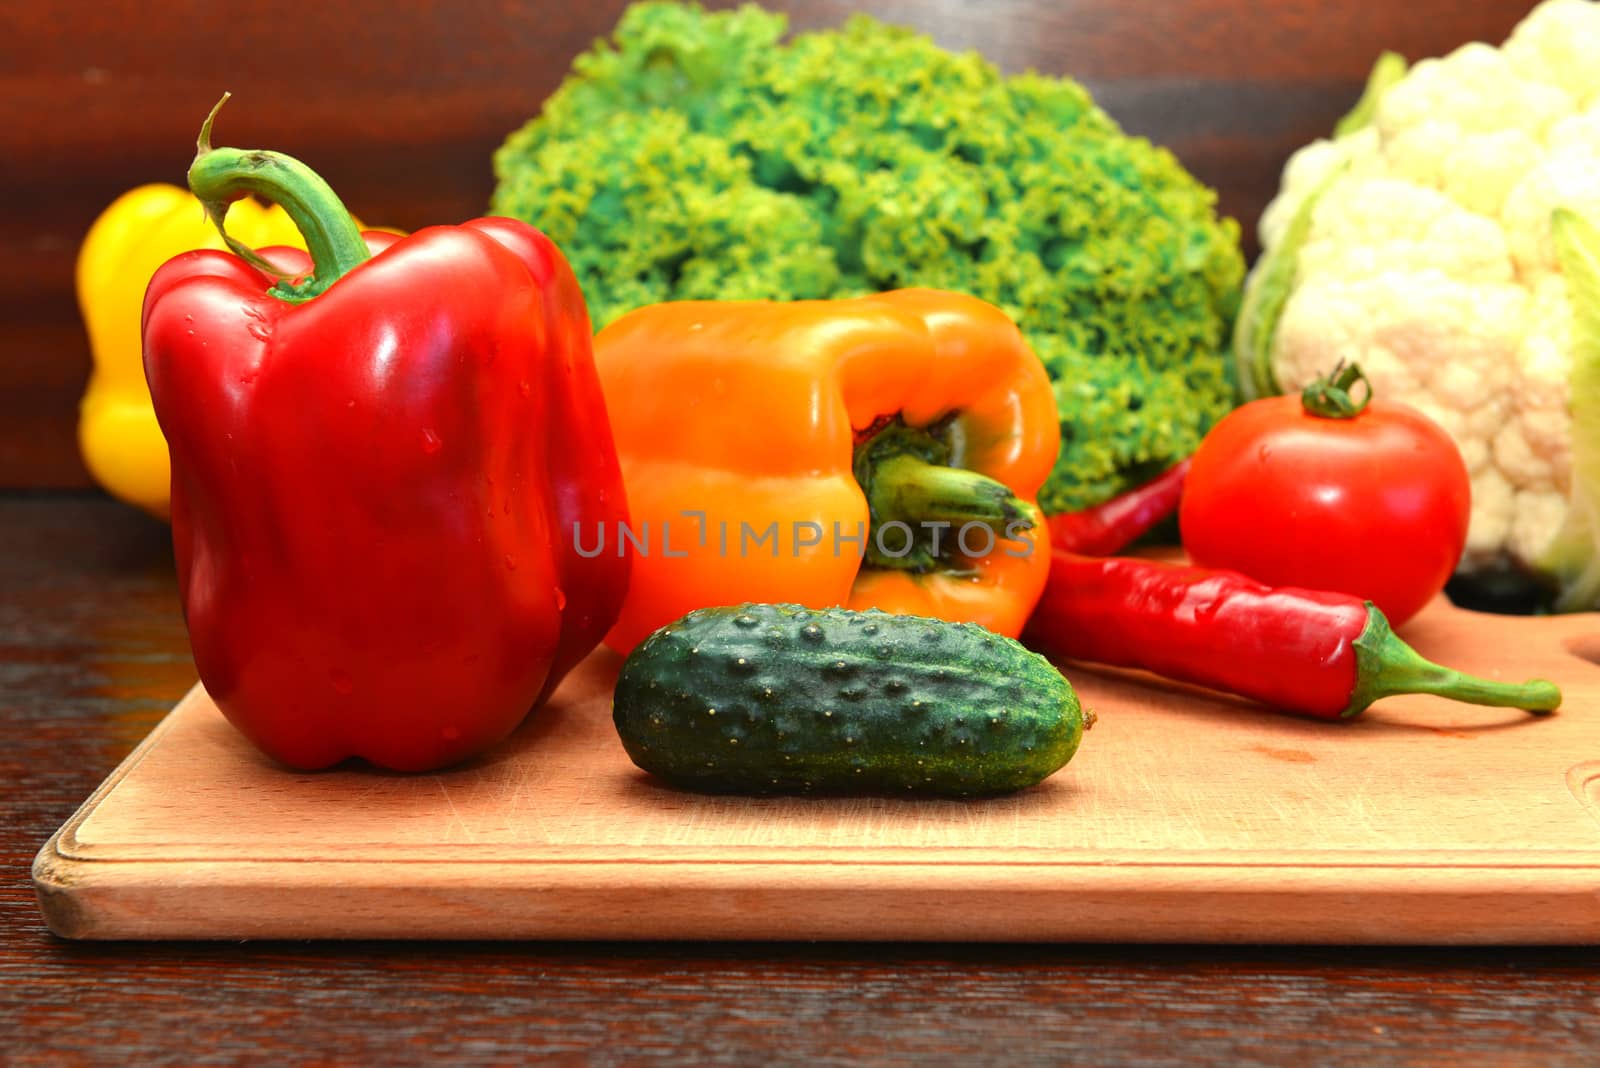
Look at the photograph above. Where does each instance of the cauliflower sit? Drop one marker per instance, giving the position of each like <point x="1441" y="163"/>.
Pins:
<point x="1444" y="238"/>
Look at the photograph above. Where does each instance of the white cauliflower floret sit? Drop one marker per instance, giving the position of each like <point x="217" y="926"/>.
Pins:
<point x="1544" y="365"/>
<point x="1306" y="170"/>
<point x="1362" y="227"/>
<point x="1557" y="45"/>
<point x="1473" y="88"/>
<point x="1480" y="172"/>
<point x="1567" y="177"/>
<point x="1420" y="245"/>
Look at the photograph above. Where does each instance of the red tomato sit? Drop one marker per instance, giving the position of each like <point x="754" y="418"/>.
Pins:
<point x="1374" y="505"/>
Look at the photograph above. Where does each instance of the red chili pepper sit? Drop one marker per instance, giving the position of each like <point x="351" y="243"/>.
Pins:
<point x="376" y="472"/>
<point x="1326" y="655"/>
<point x="1113" y="525"/>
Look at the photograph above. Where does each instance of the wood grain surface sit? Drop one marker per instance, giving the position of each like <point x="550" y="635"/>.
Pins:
<point x="1185" y="817"/>
<point x="400" y="106"/>
<point x="92" y="655"/>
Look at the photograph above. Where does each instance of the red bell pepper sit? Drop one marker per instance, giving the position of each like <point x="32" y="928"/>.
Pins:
<point x="377" y="468"/>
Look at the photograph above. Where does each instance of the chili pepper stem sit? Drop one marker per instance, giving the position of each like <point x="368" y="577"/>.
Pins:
<point x="1386" y="667"/>
<point x="219" y="176"/>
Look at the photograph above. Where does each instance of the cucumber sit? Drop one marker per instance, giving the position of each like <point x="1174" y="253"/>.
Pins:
<point x="762" y="698"/>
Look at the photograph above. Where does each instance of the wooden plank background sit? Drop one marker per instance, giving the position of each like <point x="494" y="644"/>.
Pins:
<point x="399" y="106"/>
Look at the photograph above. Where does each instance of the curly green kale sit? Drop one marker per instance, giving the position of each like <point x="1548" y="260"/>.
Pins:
<point x="696" y="156"/>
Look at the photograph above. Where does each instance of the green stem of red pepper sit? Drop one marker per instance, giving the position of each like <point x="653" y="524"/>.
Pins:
<point x="1387" y="666"/>
<point x="1321" y="654"/>
<point x="219" y="176"/>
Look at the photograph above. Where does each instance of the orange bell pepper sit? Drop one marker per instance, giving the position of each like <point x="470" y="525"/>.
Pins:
<point x="882" y="452"/>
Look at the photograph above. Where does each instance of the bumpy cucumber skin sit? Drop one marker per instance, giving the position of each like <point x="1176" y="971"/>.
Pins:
<point x="760" y="698"/>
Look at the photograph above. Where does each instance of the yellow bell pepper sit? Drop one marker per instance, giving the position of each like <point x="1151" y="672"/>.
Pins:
<point x="141" y="230"/>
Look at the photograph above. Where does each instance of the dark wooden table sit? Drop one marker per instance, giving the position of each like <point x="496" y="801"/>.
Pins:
<point x="400" y="106"/>
<point x="93" y="653"/>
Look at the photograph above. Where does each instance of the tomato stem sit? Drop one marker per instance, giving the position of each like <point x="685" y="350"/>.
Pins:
<point x="1331" y="396"/>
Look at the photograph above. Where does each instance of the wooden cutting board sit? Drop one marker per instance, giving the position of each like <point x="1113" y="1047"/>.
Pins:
<point x="1184" y="817"/>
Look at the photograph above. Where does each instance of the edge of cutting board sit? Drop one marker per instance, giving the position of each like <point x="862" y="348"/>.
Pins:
<point x="872" y="895"/>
